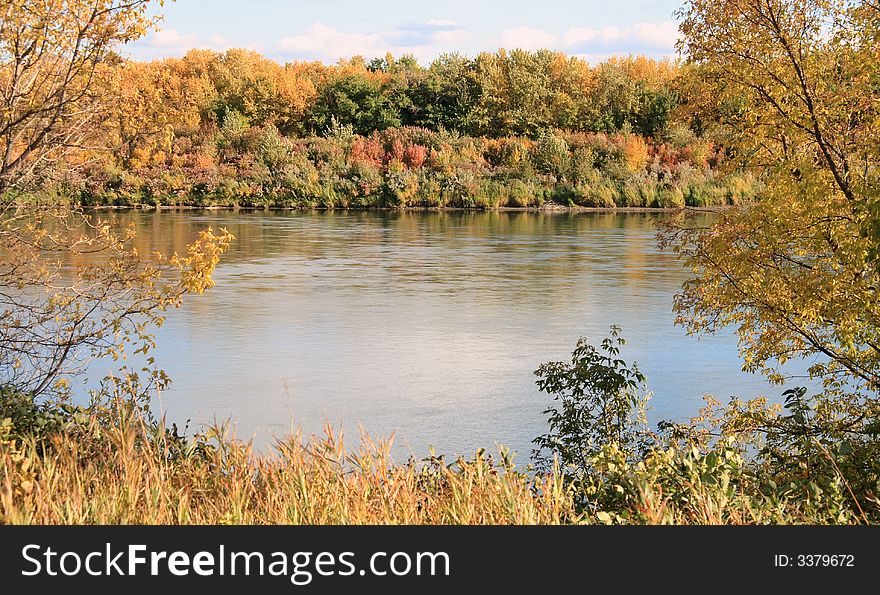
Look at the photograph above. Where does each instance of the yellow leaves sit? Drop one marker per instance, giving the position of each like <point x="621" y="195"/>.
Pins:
<point x="635" y="152"/>
<point x="796" y="270"/>
<point x="92" y="294"/>
<point x="69" y="42"/>
<point x="197" y="267"/>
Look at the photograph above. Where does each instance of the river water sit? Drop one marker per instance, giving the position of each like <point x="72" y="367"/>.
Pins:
<point x="427" y="326"/>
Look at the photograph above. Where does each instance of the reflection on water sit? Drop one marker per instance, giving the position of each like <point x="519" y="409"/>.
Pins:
<point x="427" y="325"/>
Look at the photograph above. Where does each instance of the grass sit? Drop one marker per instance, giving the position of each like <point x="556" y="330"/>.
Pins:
<point x="130" y="471"/>
<point x="127" y="474"/>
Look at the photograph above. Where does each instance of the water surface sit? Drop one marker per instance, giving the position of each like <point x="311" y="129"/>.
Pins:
<point x="425" y="325"/>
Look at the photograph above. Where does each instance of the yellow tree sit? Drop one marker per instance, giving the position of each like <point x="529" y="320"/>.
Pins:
<point x="72" y="287"/>
<point x="155" y="102"/>
<point x="794" y="88"/>
<point x="51" y="58"/>
<point x="262" y="90"/>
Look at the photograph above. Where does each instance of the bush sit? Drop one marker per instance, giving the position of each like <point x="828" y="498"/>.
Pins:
<point x="633" y="151"/>
<point x="631" y="194"/>
<point x="670" y="197"/>
<point x="744" y="463"/>
<point x="23" y="416"/>
<point x="521" y="193"/>
<point x="583" y="165"/>
<point x="366" y="179"/>
<point x="600" y="400"/>
<point x="599" y="195"/>
<point x="429" y="193"/>
<point x="459" y="187"/>
<point x="551" y="156"/>
<point x="401" y="185"/>
<point x="274" y="151"/>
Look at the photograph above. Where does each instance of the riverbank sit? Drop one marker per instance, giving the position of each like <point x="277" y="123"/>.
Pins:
<point x="412" y="168"/>
<point x="543" y="209"/>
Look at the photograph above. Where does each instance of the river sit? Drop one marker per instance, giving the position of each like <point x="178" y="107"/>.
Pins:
<point x="427" y="326"/>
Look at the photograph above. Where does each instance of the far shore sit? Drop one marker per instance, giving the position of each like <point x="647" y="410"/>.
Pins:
<point x="554" y="208"/>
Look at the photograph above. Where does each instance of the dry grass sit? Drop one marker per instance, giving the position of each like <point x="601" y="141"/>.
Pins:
<point x="129" y="471"/>
<point x="125" y="478"/>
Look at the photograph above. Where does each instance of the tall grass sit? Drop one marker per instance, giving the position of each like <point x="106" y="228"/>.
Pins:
<point x="133" y="472"/>
<point x="128" y="474"/>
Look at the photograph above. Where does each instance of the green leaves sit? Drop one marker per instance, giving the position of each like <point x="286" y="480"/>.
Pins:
<point x="600" y="400"/>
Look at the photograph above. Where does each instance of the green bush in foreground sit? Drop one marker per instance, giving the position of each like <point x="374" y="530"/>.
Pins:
<point x="807" y="461"/>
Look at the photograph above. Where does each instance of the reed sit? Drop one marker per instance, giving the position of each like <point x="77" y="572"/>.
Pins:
<point x="135" y="472"/>
<point x="128" y="474"/>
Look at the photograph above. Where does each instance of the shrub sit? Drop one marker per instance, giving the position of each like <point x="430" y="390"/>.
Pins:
<point x="274" y="151"/>
<point x="600" y="194"/>
<point x="678" y="135"/>
<point x="598" y="400"/>
<point x="634" y="151"/>
<point x="242" y="164"/>
<point x="367" y="150"/>
<point x="511" y="153"/>
<point x="522" y="193"/>
<point x="401" y="184"/>
<point x="551" y="156"/>
<point x="744" y="463"/>
<point x="583" y="165"/>
<point x="429" y="193"/>
<point x="670" y="197"/>
<point x="22" y="415"/>
<point x="366" y="178"/>
<point x="459" y="187"/>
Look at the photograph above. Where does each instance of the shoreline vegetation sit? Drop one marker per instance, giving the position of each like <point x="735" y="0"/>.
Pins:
<point x="406" y="168"/>
<point x="545" y="209"/>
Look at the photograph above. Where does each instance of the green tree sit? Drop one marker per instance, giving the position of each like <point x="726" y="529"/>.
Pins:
<point x="599" y="400"/>
<point x="357" y="100"/>
<point x="445" y="97"/>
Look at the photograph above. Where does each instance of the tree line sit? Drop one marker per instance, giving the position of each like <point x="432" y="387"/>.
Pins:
<point x="503" y="129"/>
<point x="516" y="93"/>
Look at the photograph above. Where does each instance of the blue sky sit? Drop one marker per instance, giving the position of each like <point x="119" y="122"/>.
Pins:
<point x="327" y="30"/>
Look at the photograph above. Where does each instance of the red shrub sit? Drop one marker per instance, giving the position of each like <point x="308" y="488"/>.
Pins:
<point x="415" y="155"/>
<point x="368" y="150"/>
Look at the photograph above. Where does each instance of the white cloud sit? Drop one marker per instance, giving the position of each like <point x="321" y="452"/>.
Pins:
<point x="170" y="42"/>
<point x="423" y="40"/>
<point x="321" y="41"/>
<point x="580" y="35"/>
<point x="526" y="38"/>
<point x="642" y="38"/>
<point x="660" y="35"/>
<point x="171" y="38"/>
<point x="441" y="22"/>
<point x="443" y="41"/>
